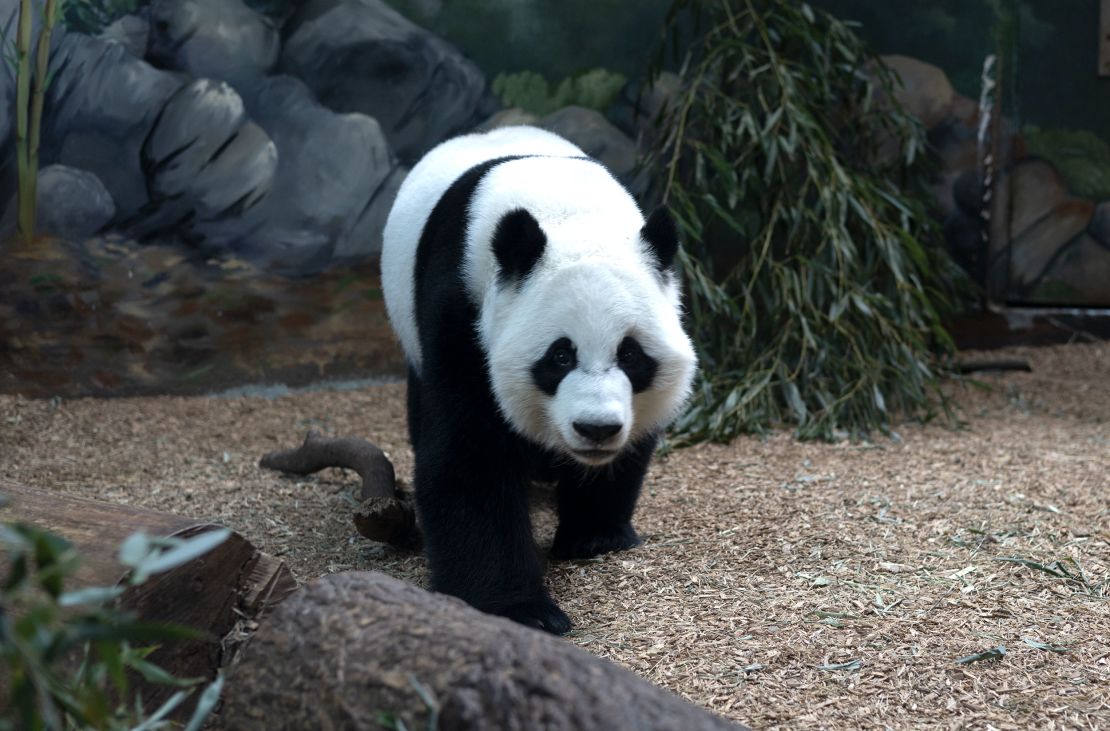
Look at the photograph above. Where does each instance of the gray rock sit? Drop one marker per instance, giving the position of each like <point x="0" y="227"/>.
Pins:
<point x="1037" y="188"/>
<point x="1100" y="223"/>
<point x="598" y="138"/>
<point x="362" y="56"/>
<point x="131" y="31"/>
<point x="638" y="107"/>
<point x="965" y="111"/>
<point x="204" y="161"/>
<point x="511" y="117"/>
<point x="72" y="204"/>
<point x="331" y="170"/>
<point x="100" y="107"/>
<point x="956" y="146"/>
<point x="365" y="238"/>
<point x="1078" y="276"/>
<point x="218" y="39"/>
<point x="926" y="91"/>
<point x="1033" y="249"/>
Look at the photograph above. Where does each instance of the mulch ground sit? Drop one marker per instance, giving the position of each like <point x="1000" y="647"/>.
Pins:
<point x="801" y="585"/>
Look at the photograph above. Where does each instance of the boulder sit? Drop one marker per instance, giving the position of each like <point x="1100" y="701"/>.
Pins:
<point x="333" y="170"/>
<point x="361" y="650"/>
<point x="100" y="106"/>
<point x="72" y="204"/>
<point x="1100" y="223"/>
<point x="204" y="161"/>
<point x="131" y="31"/>
<point x="639" y="106"/>
<point x="1035" y="247"/>
<point x="365" y="238"/>
<point x="965" y="111"/>
<point x="1037" y="188"/>
<point x="218" y="39"/>
<point x="363" y="56"/>
<point x="926" y="91"/>
<point x="956" y="146"/>
<point x="1078" y="276"/>
<point x="598" y="138"/>
<point x="511" y="117"/>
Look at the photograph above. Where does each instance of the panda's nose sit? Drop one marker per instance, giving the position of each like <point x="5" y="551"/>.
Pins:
<point x="596" y="432"/>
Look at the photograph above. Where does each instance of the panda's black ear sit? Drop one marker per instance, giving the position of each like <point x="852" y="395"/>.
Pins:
<point x="518" y="243"/>
<point x="661" y="236"/>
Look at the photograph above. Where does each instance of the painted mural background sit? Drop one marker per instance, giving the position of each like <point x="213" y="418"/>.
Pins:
<point x="215" y="173"/>
<point x="1049" y="216"/>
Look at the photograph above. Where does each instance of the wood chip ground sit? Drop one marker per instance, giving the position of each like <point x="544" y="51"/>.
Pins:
<point x="784" y="584"/>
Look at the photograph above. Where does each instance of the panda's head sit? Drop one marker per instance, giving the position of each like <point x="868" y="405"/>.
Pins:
<point x="584" y="339"/>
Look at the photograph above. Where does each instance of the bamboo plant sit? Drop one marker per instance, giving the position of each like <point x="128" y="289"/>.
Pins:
<point x="31" y="85"/>
<point x="817" y="283"/>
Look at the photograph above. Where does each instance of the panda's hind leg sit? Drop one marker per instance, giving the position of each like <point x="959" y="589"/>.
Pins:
<point x="413" y="404"/>
<point x="596" y="506"/>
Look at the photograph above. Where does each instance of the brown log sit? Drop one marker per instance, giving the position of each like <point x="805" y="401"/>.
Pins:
<point x="210" y="593"/>
<point x="351" y="647"/>
<point x="384" y="514"/>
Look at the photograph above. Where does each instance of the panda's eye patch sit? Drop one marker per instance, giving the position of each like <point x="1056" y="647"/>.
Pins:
<point x="629" y="352"/>
<point x="636" y="364"/>
<point x="559" y="360"/>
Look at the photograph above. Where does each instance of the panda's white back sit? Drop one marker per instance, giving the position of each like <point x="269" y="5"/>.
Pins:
<point x="584" y="211"/>
<point x="419" y="194"/>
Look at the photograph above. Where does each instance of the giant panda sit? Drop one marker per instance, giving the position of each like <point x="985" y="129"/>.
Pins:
<point x="540" y="317"/>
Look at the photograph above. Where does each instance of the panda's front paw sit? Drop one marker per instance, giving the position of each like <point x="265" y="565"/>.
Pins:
<point x="579" y="544"/>
<point x="542" y="613"/>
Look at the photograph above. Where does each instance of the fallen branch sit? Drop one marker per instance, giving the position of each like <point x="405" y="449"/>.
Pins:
<point x="364" y="650"/>
<point x="972" y="366"/>
<point x="383" y="513"/>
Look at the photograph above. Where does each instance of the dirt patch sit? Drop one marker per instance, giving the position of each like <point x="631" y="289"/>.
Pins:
<point x="781" y="583"/>
<point x="112" y="317"/>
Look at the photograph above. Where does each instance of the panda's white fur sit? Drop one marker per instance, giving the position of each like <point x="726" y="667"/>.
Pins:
<point x="421" y="190"/>
<point x="596" y="283"/>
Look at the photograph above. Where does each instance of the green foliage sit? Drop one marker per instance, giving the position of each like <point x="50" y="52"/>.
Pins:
<point x="31" y="79"/>
<point x="595" y="89"/>
<point x="92" y="16"/>
<point x="816" y="282"/>
<point x="1082" y="158"/>
<point x="67" y="654"/>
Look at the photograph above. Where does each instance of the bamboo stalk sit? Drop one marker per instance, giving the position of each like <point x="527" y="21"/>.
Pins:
<point x="42" y="70"/>
<point x="26" y="221"/>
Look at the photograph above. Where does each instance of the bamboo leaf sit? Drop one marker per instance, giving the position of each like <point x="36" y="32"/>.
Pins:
<point x="995" y="653"/>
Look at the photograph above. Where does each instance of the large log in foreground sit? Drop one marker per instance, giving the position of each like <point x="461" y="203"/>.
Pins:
<point x="352" y="649"/>
<point x="210" y="593"/>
